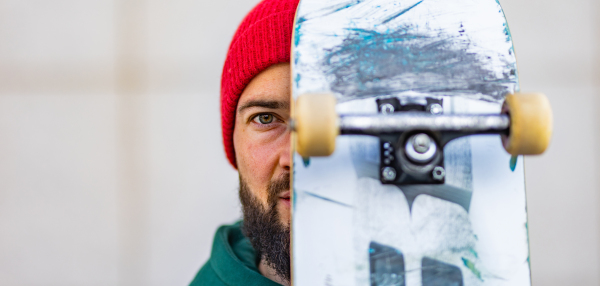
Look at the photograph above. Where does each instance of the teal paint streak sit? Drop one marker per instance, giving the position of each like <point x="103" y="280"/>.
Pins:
<point x="297" y="80"/>
<point x="513" y="162"/>
<point x="528" y="254"/>
<point x="511" y="51"/>
<point x="345" y="7"/>
<point x="469" y="264"/>
<point x="327" y="199"/>
<point x="294" y="192"/>
<point x="298" y="30"/>
<point x="294" y="196"/>
<point x="473" y="252"/>
<point x="507" y="33"/>
<point x="306" y="161"/>
<point x="401" y="12"/>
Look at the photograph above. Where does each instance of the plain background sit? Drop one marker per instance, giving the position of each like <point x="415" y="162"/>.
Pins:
<point x="111" y="163"/>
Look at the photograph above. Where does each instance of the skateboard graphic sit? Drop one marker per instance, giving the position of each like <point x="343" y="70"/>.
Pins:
<point x="408" y="133"/>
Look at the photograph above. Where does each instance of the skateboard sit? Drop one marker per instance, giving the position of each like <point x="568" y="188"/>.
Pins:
<point x="409" y="130"/>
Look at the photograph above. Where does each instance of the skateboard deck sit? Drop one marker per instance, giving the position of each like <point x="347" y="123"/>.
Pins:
<point x="356" y="218"/>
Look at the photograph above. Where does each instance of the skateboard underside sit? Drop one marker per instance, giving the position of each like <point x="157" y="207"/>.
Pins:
<point x="351" y="228"/>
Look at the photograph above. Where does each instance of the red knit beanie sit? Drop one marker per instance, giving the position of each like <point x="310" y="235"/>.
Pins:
<point x="263" y="39"/>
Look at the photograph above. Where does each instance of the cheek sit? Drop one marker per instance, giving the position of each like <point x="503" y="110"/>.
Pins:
<point x="257" y="156"/>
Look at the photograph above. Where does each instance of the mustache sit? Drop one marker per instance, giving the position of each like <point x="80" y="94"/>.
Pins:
<point x="278" y="186"/>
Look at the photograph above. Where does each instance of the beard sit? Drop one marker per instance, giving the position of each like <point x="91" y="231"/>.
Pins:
<point x="267" y="234"/>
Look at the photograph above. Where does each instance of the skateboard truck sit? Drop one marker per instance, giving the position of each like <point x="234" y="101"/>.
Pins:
<point x="412" y="157"/>
<point x="414" y="131"/>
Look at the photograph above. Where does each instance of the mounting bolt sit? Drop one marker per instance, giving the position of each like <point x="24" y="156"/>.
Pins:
<point x="387" y="108"/>
<point x="436" y="109"/>
<point x="438" y="173"/>
<point x="388" y="174"/>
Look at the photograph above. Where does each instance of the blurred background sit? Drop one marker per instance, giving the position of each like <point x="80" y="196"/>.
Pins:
<point x="111" y="164"/>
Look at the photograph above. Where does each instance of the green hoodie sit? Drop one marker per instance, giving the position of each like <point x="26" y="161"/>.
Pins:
<point x="232" y="261"/>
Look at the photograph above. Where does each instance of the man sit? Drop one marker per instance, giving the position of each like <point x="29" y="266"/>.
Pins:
<point x="255" y="110"/>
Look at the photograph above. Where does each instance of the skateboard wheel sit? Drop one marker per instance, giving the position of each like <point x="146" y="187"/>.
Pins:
<point x="316" y="125"/>
<point x="530" y="123"/>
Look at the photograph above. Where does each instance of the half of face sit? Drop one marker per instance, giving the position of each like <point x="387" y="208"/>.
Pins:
<point x="262" y="139"/>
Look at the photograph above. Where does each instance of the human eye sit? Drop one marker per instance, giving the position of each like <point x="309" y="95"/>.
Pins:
<point x="264" y="118"/>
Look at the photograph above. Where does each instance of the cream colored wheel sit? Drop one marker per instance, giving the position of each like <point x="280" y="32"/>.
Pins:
<point x="316" y="125"/>
<point x="530" y="123"/>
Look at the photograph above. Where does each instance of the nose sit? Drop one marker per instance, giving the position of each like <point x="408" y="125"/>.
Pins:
<point x="285" y="155"/>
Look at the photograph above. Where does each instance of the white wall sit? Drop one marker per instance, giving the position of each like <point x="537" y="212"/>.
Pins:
<point x="111" y="164"/>
<point x="557" y="52"/>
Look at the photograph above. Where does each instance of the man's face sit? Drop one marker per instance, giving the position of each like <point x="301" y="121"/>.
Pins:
<point x="261" y="139"/>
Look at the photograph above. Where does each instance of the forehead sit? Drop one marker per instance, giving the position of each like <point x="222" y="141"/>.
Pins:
<point x="271" y="84"/>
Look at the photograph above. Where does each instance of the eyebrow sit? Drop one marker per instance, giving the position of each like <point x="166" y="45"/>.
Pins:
<point x="271" y="104"/>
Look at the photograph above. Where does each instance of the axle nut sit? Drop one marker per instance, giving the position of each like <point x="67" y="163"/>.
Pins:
<point x="420" y="148"/>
